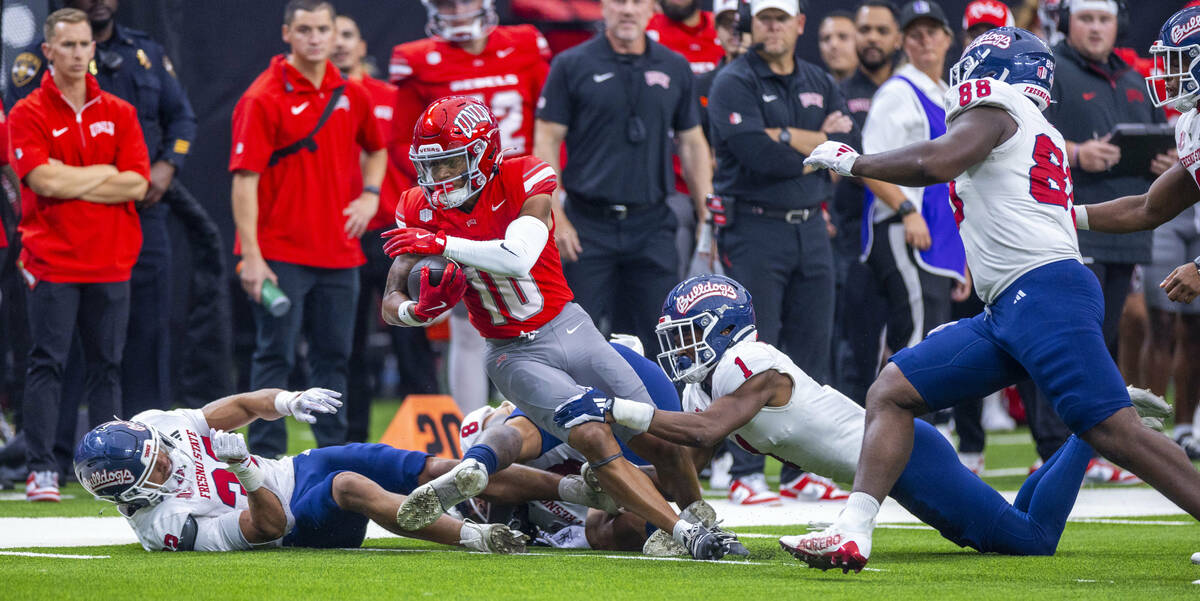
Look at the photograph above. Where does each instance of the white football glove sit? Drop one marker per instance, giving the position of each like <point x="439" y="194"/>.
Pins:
<point x="302" y="405"/>
<point x="230" y="447"/>
<point x="833" y="155"/>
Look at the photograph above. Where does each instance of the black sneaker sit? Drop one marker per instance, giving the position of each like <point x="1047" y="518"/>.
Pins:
<point x="703" y="544"/>
<point x="1190" y="445"/>
<point x="733" y="546"/>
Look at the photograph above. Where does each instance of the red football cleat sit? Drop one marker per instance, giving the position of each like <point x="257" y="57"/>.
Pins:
<point x="830" y="548"/>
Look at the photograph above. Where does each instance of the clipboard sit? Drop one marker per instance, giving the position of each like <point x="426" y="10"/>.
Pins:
<point x="1139" y="144"/>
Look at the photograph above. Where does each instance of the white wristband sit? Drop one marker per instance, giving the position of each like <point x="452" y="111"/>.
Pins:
<point x="411" y="321"/>
<point x="1081" y="217"/>
<point x="632" y="414"/>
<point x="248" y="474"/>
<point x="704" y="243"/>
<point x="281" y="402"/>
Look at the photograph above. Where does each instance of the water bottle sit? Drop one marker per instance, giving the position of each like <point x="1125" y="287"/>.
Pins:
<point x="273" y="299"/>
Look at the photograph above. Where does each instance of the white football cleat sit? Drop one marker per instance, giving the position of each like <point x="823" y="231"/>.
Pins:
<point x="832" y="547"/>
<point x="1100" y="471"/>
<point x="430" y="500"/>
<point x="42" y="487"/>
<point x="721" y="478"/>
<point x="811" y="487"/>
<point x="752" y="490"/>
<point x="662" y="544"/>
<point x="592" y="496"/>
<point x="492" y="538"/>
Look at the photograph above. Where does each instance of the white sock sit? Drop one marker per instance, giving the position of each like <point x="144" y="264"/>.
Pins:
<point x="1182" y="430"/>
<point x="677" y="532"/>
<point x="859" y="513"/>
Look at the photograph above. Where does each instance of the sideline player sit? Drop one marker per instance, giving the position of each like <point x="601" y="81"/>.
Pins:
<point x="493" y="216"/>
<point x="1011" y="192"/>
<point x="748" y="391"/>
<point x="569" y="525"/>
<point x="185" y="483"/>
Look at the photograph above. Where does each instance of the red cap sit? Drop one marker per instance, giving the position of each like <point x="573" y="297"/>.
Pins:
<point x="990" y="12"/>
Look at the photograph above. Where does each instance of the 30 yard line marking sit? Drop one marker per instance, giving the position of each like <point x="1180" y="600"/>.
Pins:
<point x="52" y="555"/>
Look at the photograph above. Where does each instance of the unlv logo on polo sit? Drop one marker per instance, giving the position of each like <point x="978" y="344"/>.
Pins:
<point x="702" y="291"/>
<point x="102" y="127"/>
<point x="470" y="117"/>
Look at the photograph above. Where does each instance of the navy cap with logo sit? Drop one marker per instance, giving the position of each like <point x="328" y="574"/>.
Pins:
<point x="922" y="9"/>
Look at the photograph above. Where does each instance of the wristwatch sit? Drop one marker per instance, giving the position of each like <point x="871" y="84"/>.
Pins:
<point x="372" y="189"/>
<point x="907" y="207"/>
<point x="785" y="136"/>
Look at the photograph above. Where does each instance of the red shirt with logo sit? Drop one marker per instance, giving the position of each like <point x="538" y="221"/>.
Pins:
<point x="500" y="306"/>
<point x="72" y="240"/>
<point x="507" y="77"/>
<point x="395" y="182"/>
<point x="699" y="45"/>
<point x="301" y="197"/>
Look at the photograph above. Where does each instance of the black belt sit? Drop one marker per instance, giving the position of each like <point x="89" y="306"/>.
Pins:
<point x="609" y="211"/>
<point x="788" y="215"/>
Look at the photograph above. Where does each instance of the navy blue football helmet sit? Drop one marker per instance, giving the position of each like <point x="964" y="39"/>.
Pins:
<point x="1176" y="55"/>
<point x="1012" y="55"/>
<point x="114" y="462"/>
<point x="701" y="318"/>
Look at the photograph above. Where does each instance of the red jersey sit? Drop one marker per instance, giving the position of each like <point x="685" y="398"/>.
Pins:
<point x="301" y="198"/>
<point x="500" y="307"/>
<point x="71" y="240"/>
<point x="507" y="76"/>
<point x="699" y="44"/>
<point x="395" y="182"/>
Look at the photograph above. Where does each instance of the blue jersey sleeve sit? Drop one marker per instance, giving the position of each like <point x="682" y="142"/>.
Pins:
<point x="660" y="387"/>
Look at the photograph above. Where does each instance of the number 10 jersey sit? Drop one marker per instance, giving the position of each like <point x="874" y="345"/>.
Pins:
<point x="1015" y="208"/>
<point x="500" y="306"/>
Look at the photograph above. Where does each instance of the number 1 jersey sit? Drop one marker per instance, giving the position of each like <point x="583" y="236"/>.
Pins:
<point x="1014" y="209"/>
<point x="500" y="306"/>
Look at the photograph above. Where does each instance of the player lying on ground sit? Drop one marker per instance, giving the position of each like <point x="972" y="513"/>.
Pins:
<point x="492" y="216"/>
<point x="568" y="525"/>
<point x="1011" y="192"/>
<point x="185" y="483"/>
<point x="756" y="396"/>
<point x="1176" y="81"/>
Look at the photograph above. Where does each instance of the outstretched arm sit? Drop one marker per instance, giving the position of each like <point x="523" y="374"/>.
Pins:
<point x="1169" y="195"/>
<point x="968" y="141"/>
<point x="235" y="411"/>
<point x="726" y="414"/>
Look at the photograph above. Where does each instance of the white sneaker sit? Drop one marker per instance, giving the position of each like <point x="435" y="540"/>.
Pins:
<point x="995" y="416"/>
<point x="752" y="490"/>
<point x="832" y="547"/>
<point x="1100" y="471"/>
<point x="721" y="478"/>
<point x="42" y="487"/>
<point x="811" y="487"/>
<point x="430" y="500"/>
<point x="972" y="461"/>
<point x="491" y="538"/>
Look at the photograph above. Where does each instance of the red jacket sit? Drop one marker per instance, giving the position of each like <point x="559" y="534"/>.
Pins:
<point x="71" y="240"/>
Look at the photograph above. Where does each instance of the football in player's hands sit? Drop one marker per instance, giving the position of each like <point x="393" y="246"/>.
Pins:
<point x="435" y="297"/>
<point x="437" y="266"/>
<point x="229" y="447"/>
<point x="833" y="155"/>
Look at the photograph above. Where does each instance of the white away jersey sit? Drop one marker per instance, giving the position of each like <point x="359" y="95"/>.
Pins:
<point x="1187" y="142"/>
<point x="1015" y="208"/>
<point x="819" y="430"/>
<point x="204" y="517"/>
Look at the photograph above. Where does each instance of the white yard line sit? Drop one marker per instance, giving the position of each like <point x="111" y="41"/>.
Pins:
<point x="51" y="555"/>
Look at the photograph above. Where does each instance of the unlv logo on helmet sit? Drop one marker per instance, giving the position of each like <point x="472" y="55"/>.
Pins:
<point x="471" y="116"/>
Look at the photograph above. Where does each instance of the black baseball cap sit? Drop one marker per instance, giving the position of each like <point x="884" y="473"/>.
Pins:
<point x="922" y="9"/>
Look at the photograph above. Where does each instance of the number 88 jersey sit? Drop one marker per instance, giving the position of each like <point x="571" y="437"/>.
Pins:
<point x="500" y="306"/>
<point x="1015" y="208"/>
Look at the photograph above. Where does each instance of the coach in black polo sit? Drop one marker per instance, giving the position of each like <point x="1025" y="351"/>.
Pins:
<point x="616" y="100"/>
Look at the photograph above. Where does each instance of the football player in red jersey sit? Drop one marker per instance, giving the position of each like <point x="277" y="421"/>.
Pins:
<point x="492" y="216"/>
<point x="467" y="54"/>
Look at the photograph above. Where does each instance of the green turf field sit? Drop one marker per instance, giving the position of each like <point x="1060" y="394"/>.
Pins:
<point x="1095" y="560"/>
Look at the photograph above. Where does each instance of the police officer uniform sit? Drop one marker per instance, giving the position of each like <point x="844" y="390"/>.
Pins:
<point x="620" y="111"/>
<point x="136" y="69"/>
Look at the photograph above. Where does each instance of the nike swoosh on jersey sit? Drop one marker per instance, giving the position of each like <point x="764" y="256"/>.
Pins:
<point x="601" y="77"/>
<point x="505" y="52"/>
<point x="299" y="108"/>
<point x="59" y="132"/>
<point x="499" y="204"/>
<point x="770" y="98"/>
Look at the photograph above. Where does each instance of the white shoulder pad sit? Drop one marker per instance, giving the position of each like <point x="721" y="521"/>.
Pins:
<point x="1187" y="140"/>
<point x="166" y="421"/>
<point x="740" y="363"/>
<point x="695" y="399"/>
<point x="982" y="92"/>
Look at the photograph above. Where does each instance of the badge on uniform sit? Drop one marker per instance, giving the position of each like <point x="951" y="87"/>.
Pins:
<point x="169" y="66"/>
<point x="426" y="215"/>
<point x="143" y="59"/>
<point x="24" y="68"/>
